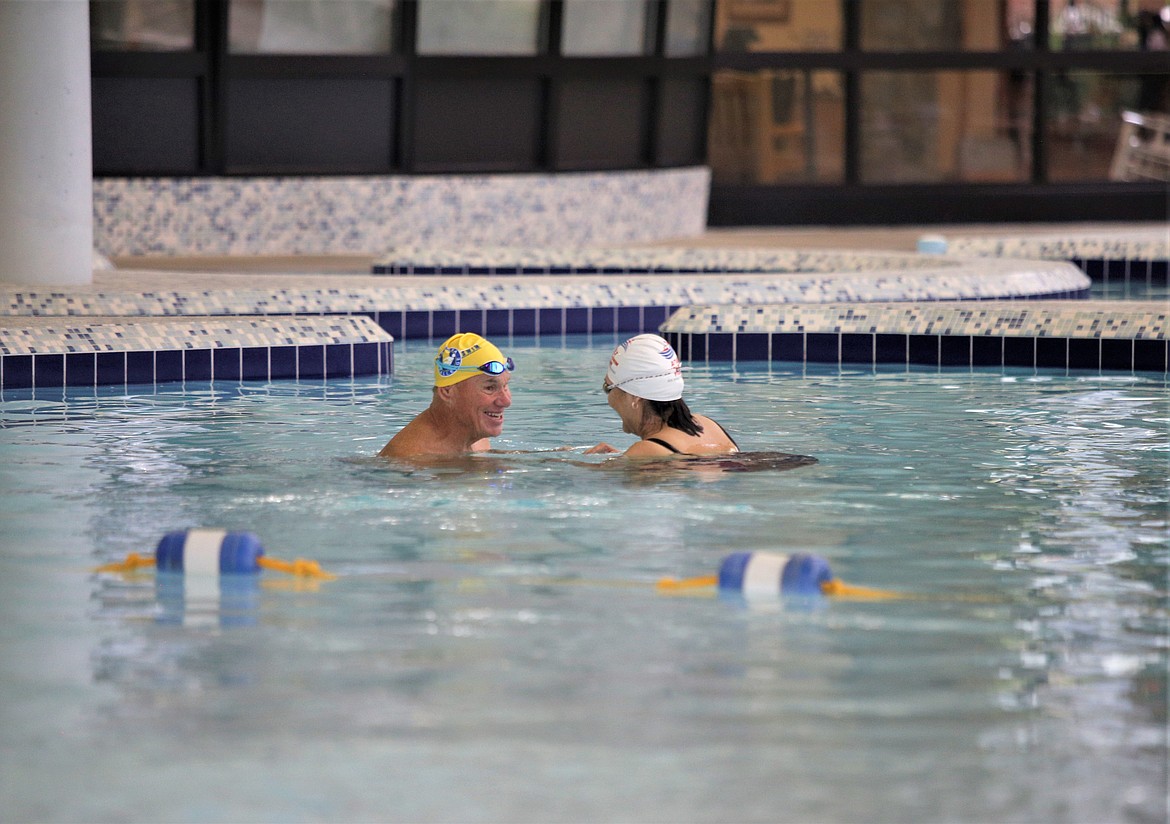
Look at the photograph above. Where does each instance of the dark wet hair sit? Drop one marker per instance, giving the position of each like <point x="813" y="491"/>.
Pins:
<point x="675" y="414"/>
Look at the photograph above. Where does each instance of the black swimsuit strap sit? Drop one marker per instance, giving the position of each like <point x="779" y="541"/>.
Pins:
<point x="677" y="451"/>
<point x="661" y="442"/>
<point x="725" y="432"/>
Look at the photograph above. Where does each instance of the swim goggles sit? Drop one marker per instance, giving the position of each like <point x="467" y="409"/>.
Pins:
<point x="490" y="368"/>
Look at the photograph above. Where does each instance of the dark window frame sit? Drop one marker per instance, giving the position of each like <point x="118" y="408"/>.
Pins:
<point x="853" y="202"/>
<point x="213" y="69"/>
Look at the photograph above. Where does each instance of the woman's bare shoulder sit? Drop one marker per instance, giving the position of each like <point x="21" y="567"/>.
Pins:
<point x="647" y="449"/>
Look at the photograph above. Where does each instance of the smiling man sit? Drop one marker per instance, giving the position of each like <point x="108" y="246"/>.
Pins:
<point x="467" y="402"/>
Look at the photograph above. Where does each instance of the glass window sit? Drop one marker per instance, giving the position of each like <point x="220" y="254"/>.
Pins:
<point x="776" y="126"/>
<point x="604" y="27"/>
<point x="310" y="26"/>
<point x="1125" y="25"/>
<point x="1083" y="123"/>
<point x="142" y="25"/>
<point x="1078" y="25"/>
<point x="777" y="25"/>
<point x="956" y="25"/>
<point x="930" y="127"/>
<point x="1148" y="29"/>
<point x="686" y="27"/>
<point x="481" y="27"/>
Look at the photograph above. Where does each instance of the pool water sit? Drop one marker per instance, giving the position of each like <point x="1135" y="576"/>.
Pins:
<point x="495" y="649"/>
<point x="1136" y="289"/>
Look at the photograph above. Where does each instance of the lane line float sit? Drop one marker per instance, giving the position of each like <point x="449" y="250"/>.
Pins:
<point x="217" y="552"/>
<point x="771" y="574"/>
<point x="213" y="552"/>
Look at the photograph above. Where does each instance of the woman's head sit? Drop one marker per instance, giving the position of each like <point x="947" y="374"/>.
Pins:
<point x="644" y="386"/>
<point x="646" y="366"/>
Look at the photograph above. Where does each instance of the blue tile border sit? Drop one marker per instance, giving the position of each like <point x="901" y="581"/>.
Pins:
<point x="139" y="367"/>
<point x="197" y="365"/>
<point x="254" y="363"/>
<point x="926" y="350"/>
<point x="81" y="369"/>
<point x="1080" y="335"/>
<point x="1092" y="335"/>
<point x="48" y="371"/>
<point x="56" y="370"/>
<point x="1123" y="271"/>
<point x="187" y="350"/>
<point x="310" y="362"/>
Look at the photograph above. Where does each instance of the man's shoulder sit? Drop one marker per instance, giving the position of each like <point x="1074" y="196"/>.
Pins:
<point x="409" y="440"/>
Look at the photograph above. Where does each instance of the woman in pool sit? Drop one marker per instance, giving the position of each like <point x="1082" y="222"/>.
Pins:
<point x="644" y="386"/>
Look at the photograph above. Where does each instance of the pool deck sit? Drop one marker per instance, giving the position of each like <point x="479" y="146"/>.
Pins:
<point x="858" y="295"/>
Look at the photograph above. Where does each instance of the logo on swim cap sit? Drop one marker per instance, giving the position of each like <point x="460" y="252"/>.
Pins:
<point x="648" y="367"/>
<point x="449" y="361"/>
<point x="460" y="355"/>
<point x="667" y="353"/>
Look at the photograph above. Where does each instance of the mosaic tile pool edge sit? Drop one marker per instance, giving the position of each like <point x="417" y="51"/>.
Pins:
<point x="1133" y="337"/>
<point x="872" y="278"/>
<point x="1128" y="247"/>
<point x="809" y="287"/>
<point x="1077" y="335"/>
<point x="197" y="349"/>
<point x="265" y="363"/>
<point x="1119" y="257"/>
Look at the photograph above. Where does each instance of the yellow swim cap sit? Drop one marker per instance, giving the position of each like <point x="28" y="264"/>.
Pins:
<point x="462" y="354"/>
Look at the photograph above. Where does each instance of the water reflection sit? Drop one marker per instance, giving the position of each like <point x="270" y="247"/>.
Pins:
<point x="504" y="607"/>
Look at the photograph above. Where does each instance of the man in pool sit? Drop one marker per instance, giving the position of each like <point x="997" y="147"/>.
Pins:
<point x="467" y="402"/>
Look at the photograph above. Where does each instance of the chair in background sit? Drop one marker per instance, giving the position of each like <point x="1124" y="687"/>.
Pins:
<point x="1143" y="148"/>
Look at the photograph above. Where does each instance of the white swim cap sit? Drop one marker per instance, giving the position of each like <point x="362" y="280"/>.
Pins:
<point x="646" y="366"/>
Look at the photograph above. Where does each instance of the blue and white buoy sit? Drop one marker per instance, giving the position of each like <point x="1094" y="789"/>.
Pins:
<point x="209" y="552"/>
<point x="772" y="574"/>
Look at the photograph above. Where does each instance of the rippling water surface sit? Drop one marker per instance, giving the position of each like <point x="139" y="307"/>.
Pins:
<point x="494" y="648"/>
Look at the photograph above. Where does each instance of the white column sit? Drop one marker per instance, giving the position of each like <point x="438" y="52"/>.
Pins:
<point x="46" y="156"/>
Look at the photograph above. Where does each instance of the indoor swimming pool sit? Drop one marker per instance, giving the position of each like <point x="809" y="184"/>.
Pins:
<point x="494" y="647"/>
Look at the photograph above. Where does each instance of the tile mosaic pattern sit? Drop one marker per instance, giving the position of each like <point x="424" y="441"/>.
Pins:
<point x="57" y="352"/>
<point x="809" y="275"/>
<point x="1085" y="319"/>
<point x="1123" y="245"/>
<point x="563" y="260"/>
<point x="112" y="294"/>
<point x="1097" y="335"/>
<point x="1121" y="257"/>
<point x="353" y="215"/>
<point x="732" y="303"/>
